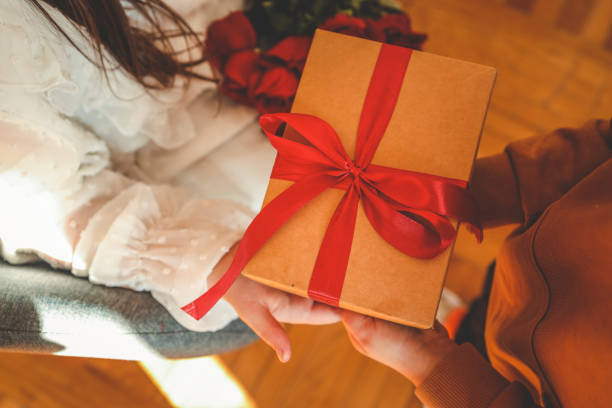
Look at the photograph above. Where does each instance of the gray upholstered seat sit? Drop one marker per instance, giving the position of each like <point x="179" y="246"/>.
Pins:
<point x="48" y="311"/>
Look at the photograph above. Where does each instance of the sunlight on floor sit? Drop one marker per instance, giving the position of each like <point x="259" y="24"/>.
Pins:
<point x="197" y="383"/>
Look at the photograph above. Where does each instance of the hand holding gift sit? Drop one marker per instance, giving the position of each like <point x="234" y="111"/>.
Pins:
<point x="412" y="352"/>
<point x="263" y="308"/>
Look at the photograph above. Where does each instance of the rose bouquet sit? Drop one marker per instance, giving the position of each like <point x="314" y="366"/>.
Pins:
<point x="260" y="53"/>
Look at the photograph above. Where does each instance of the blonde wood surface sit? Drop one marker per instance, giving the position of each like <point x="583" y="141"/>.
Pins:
<point x="31" y="380"/>
<point x="325" y="371"/>
<point x="554" y="69"/>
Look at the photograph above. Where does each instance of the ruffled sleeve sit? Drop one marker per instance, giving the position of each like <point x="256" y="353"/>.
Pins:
<point x="164" y="240"/>
<point x="62" y="203"/>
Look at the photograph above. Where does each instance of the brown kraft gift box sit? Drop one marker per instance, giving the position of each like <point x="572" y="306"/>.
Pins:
<point x="435" y="129"/>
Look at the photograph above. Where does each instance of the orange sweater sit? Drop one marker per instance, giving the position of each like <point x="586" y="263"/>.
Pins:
<point x="549" y="322"/>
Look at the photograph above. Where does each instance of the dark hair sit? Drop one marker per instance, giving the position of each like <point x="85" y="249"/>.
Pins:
<point x="144" y="53"/>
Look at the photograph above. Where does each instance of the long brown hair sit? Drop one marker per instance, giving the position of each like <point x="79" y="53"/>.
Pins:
<point x="146" y="54"/>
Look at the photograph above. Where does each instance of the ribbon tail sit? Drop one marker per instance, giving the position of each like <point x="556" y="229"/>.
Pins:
<point x="464" y="209"/>
<point x="467" y="212"/>
<point x="441" y="224"/>
<point x="264" y="225"/>
<point x="440" y="196"/>
<point x="332" y="260"/>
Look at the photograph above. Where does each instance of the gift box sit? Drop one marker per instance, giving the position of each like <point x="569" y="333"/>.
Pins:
<point x="370" y="180"/>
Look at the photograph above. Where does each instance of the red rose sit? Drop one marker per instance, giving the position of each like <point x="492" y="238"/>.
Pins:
<point x="374" y="31"/>
<point x="341" y="23"/>
<point x="239" y="70"/>
<point x="290" y="52"/>
<point x="273" y="90"/>
<point x="395" y="29"/>
<point x="227" y="36"/>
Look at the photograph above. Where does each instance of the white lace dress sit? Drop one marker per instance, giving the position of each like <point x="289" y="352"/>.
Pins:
<point x="129" y="188"/>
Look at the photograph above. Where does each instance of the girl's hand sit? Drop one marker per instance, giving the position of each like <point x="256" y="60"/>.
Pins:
<point x="262" y="308"/>
<point x="412" y="352"/>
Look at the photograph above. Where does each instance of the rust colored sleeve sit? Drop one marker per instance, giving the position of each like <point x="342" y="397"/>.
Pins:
<point x="517" y="185"/>
<point x="465" y="380"/>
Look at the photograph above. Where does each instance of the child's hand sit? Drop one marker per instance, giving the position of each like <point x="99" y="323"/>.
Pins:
<point x="412" y="352"/>
<point x="262" y="308"/>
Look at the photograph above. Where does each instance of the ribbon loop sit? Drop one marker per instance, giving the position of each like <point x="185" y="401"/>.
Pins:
<point x="316" y="131"/>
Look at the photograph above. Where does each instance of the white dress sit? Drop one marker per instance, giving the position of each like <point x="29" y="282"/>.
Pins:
<point x="144" y="190"/>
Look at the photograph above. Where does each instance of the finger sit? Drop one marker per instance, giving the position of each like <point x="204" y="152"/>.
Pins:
<point x="360" y="329"/>
<point x="356" y="343"/>
<point x="356" y="323"/>
<point x="299" y="310"/>
<point x="269" y="330"/>
<point x="324" y="314"/>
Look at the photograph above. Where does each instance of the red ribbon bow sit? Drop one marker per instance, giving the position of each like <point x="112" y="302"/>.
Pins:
<point x="409" y="210"/>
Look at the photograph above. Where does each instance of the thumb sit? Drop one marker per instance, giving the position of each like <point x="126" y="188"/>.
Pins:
<point x="357" y="323"/>
<point x="270" y="330"/>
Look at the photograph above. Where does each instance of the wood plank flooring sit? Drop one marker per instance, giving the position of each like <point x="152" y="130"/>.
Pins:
<point x="554" y="61"/>
<point x="30" y="380"/>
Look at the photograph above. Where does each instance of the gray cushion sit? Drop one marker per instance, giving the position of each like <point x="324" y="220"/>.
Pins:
<point x="48" y="311"/>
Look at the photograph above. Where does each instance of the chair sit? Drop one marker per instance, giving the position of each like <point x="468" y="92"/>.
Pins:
<point x="43" y="310"/>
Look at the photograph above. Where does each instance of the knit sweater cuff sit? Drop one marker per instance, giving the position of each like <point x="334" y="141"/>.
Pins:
<point x="463" y="379"/>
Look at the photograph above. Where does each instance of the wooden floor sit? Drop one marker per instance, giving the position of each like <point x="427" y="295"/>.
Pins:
<point x="29" y="380"/>
<point x="554" y="61"/>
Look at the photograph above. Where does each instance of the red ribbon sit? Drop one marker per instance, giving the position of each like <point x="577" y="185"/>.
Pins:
<point x="409" y="210"/>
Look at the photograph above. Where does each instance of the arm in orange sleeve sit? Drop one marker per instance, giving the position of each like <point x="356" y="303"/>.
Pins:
<point x="517" y="185"/>
<point x="463" y="379"/>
